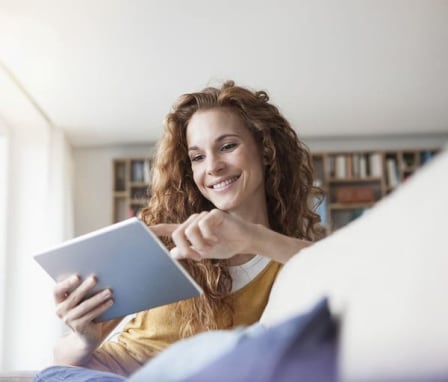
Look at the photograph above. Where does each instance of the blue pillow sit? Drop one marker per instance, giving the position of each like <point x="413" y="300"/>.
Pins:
<point x="75" y="374"/>
<point x="188" y="356"/>
<point x="302" y="348"/>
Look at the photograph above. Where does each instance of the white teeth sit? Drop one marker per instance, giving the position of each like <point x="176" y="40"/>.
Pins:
<point x="224" y="183"/>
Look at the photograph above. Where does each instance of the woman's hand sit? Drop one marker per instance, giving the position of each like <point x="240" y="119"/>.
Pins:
<point x="79" y="313"/>
<point x="213" y="234"/>
<point x="217" y="234"/>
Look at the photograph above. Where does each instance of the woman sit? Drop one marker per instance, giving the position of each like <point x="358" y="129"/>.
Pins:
<point x="230" y="192"/>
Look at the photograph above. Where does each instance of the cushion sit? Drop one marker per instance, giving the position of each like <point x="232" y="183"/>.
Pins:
<point x="385" y="275"/>
<point x="186" y="357"/>
<point x="306" y="342"/>
<point x="17" y="376"/>
<point x="302" y="348"/>
<point x="75" y="374"/>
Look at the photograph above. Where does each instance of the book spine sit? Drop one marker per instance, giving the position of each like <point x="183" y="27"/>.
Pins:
<point x="340" y="167"/>
<point x="147" y="171"/>
<point x="349" y="172"/>
<point x="375" y="165"/>
<point x="363" y="166"/>
<point x="322" y="211"/>
<point x="392" y="172"/>
<point x="356" y="165"/>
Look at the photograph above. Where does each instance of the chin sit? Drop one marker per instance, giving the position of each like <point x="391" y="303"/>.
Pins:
<point x="225" y="206"/>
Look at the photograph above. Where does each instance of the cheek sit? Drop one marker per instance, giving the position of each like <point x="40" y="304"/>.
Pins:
<point x="260" y="171"/>
<point x="196" y="177"/>
<point x="198" y="181"/>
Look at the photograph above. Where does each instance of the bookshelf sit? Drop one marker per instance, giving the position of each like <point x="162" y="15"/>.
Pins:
<point x="130" y="186"/>
<point x="353" y="181"/>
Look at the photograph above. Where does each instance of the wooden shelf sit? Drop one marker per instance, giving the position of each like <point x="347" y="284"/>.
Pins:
<point x="354" y="180"/>
<point x="138" y="201"/>
<point x="357" y="176"/>
<point x="131" y="177"/>
<point x="380" y="170"/>
<point x="138" y="184"/>
<point x="349" y="206"/>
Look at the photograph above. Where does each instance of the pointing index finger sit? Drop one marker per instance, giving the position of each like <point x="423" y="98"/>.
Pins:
<point x="163" y="229"/>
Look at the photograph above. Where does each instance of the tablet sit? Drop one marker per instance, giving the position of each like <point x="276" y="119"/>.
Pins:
<point x="127" y="258"/>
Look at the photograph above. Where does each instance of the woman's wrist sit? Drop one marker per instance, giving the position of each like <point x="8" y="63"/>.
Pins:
<point x="71" y="349"/>
<point x="278" y="247"/>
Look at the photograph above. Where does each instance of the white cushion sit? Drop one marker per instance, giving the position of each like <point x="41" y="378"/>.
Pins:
<point x="386" y="276"/>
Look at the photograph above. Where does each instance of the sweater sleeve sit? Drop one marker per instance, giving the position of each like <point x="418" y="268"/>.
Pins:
<point x="143" y="337"/>
<point x="113" y="357"/>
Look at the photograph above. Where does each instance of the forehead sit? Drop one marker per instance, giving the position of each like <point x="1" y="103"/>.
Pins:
<point x="213" y="123"/>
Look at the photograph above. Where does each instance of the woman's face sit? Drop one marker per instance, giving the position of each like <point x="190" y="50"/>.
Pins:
<point x="226" y="162"/>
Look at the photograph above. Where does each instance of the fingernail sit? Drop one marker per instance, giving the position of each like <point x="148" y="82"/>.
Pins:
<point x="91" y="279"/>
<point x="73" y="279"/>
<point x="174" y="254"/>
<point x="109" y="302"/>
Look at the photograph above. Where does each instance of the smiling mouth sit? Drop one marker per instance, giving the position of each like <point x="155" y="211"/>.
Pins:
<point x="224" y="183"/>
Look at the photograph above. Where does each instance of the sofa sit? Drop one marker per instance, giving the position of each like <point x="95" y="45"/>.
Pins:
<point x="17" y="376"/>
<point x="385" y="279"/>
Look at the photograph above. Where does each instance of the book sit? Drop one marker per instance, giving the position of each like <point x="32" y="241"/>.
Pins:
<point x="138" y="171"/>
<point x="127" y="258"/>
<point x="392" y="172"/>
<point x="340" y="167"/>
<point x="356" y="165"/>
<point x="425" y="157"/>
<point x="321" y="210"/>
<point x="375" y="165"/>
<point x="362" y="166"/>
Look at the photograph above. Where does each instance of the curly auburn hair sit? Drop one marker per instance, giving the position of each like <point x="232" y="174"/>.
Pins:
<point x="174" y="195"/>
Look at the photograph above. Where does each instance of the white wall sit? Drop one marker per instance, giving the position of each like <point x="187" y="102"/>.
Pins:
<point x="93" y="170"/>
<point x="332" y="66"/>
<point x="3" y="222"/>
<point x="37" y="169"/>
<point x="393" y="142"/>
<point x="37" y="215"/>
<point x="94" y="183"/>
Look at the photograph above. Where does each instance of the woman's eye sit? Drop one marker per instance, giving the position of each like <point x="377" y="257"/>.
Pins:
<point x="196" y="158"/>
<point x="228" y="146"/>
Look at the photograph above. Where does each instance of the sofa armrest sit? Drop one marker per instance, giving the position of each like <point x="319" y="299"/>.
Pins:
<point x="17" y="376"/>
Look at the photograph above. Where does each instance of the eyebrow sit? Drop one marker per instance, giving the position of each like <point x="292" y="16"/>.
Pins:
<point x="220" y="138"/>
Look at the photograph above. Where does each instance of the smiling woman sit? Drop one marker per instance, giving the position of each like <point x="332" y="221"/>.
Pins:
<point x="231" y="188"/>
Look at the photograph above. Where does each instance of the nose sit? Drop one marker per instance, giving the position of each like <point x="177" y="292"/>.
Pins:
<point x="215" y="165"/>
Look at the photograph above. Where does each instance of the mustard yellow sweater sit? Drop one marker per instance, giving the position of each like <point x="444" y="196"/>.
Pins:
<point x="153" y="330"/>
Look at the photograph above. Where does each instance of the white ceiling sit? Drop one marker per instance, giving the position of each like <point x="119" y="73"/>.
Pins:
<point x="107" y="71"/>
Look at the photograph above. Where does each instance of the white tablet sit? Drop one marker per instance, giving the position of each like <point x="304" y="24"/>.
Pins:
<point x="128" y="258"/>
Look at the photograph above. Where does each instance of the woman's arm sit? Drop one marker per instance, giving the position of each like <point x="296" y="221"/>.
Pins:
<point x="220" y="235"/>
<point x="266" y="242"/>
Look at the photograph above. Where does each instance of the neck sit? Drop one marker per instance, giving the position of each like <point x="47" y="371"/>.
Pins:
<point x="240" y="259"/>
